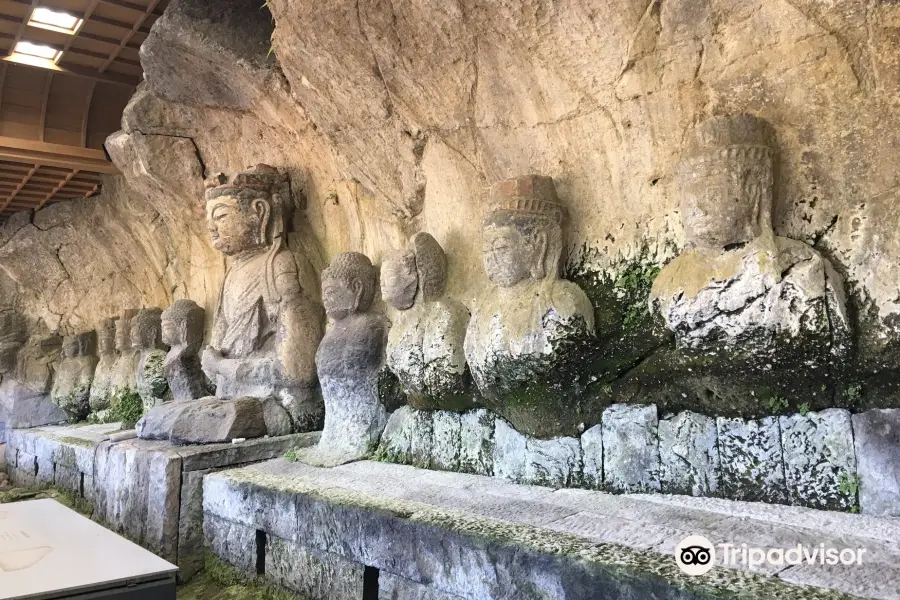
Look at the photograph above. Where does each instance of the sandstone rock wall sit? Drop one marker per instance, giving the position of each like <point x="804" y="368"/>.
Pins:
<point x="396" y="117"/>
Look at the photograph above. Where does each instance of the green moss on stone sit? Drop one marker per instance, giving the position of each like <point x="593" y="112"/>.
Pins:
<point x="74" y="441"/>
<point x="241" y="585"/>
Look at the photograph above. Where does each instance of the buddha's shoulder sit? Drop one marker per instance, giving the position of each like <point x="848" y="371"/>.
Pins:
<point x="568" y="299"/>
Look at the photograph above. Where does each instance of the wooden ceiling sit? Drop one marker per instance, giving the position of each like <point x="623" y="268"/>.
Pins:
<point x="55" y="119"/>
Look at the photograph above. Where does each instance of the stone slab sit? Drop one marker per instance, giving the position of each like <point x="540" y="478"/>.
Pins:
<point x="752" y="467"/>
<point x="510" y="448"/>
<point x="446" y="440"/>
<point x="630" y="448"/>
<point x="433" y="531"/>
<point x="392" y="587"/>
<point x="476" y="446"/>
<point x="689" y="455"/>
<point x="555" y="462"/>
<point x="592" y="457"/>
<point x="877" y="443"/>
<point x="314" y="575"/>
<point x="234" y="543"/>
<point x="819" y="459"/>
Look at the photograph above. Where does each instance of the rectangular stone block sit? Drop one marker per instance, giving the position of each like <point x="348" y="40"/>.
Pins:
<point x="819" y="459"/>
<point x="271" y="510"/>
<point x="446" y="431"/>
<point x="631" y="448"/>
<point x="396" y="439"/>
<point x="25" y="472"/>
<point x="392" y="587"/>
<point x="216" y="456"/>
<point x="232" y="542"/>
<point x="68" y="479"/>
<point x="46" y="473"/>
<point x="592" y="457"/>
<point x="190" y="525"/>
<point x="688" y="455"/>
<point x="877" y="444"/>
<point x="9" y="453"/>
<point x="313" y="574"/>
<point x="510" y="448"/>
<point x="476" y="445"/>
<point x="553" y="463"/>
<point x="752" y="466"/>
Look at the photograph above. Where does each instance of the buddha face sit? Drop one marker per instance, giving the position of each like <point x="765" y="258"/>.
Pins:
<point x="236" y="225"/>
<point x="399" y="280"/>
<point x="71" y="347"/>
<point x="106" y="338"/>
<point x="145" y="331"/>
<point x="123" y="335"/>
<point x="509" y="257"/>
<point x="171" y="331"/>
<point x="341" y="296"/>
<point x="721" y="202"/>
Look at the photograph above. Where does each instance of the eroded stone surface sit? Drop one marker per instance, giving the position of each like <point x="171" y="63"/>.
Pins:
<point x="819" y="459"/>
<point x="446" y="440"/>
<point x="689" y="455"/>
<point x="752" y="467"/>
<point x="313" y="574"/>
<point x="146" y="338"/>
<point x="101" y="386"/>
<point x="182" y="331"/>
<point x="631" y="460"/>
<point x="592" y="456"/>
<point x="476" y="445"/>
<point x="554" y="463"/>
<point x="510" y="449"/>
<point x="877" y="442"/>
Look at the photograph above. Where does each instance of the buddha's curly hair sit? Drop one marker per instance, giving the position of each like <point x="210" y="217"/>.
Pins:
<point x="353" y="266"/>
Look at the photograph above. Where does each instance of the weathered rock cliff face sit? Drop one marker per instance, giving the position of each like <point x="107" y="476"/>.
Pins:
<point x="396" y="117"/>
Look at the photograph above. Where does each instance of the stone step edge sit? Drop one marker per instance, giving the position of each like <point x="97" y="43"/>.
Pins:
<point x="616" y="559"/>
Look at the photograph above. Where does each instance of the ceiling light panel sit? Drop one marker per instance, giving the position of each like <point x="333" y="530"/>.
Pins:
<point x="55" y="20"/>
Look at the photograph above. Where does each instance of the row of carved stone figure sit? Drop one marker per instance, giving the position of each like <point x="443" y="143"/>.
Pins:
<point x="736" y="281"/>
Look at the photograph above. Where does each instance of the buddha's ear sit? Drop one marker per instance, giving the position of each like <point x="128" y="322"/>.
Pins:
<point x="357" y="287"/>
<point x="540" y="254"/>
<point x="263" y="211"/>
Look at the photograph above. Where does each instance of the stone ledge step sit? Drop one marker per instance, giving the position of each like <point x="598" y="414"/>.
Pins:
<point x="450" y="535"/>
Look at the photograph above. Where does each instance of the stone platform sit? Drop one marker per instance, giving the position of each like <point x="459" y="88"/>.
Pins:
<point x="419" y="534"/>
<point x="149" y="491"/>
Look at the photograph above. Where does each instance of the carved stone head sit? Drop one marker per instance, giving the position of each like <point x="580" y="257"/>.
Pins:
<point x="106" y="336"/>
<point x="422" y="267"/>
<point x="348" y="285"/>
<point x="247" y="213"/>
<point x="12" y="338"/>
<point x="522" y="236"/>
<point x="726" y="181"/>
<point x="146" y="329"/>
<point x="123" y="329"/>
<point x="80" y="344"/>
<point x="182" y="325"/>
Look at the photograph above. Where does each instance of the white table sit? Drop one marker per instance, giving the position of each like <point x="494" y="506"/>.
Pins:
<point x="48" y="551"/>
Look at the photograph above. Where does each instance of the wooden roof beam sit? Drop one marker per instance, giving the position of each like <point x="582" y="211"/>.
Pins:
<point x="58" y="187"/>
<point x="12" y="196"/>
<point x="55" y="155"/>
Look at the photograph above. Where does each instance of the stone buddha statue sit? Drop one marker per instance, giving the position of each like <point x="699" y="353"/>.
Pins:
<point x="529" y="322"/>
<point x="12" y="338"/>
<point x="266" y="329"/>
<point x="101" y="387"/>
<point x="75" y="374"/>
<point x="736" y="281"/>
<point x="425" y="345"/>
<point x="146" y="338"/>
<point x="261" y="355"/>
<point x="124" y="376"/>
<point x="182" y="331"/>
<point x="348" y="361"/>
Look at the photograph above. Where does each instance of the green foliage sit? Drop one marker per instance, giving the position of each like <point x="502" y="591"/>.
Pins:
<point x="292" y="455"/>
<point x="804" y="409"/>
<point x="632" y="285"/>
<point x="239" y="585"/>
<point x="849" y="484"/>
<point x="777" y="404"/>
<point x="854" y="392"/>
<point x="126" y="407"/>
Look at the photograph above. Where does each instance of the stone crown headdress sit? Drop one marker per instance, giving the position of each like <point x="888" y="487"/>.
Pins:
<point x="527" y="196"/>
<point x="261" y="178"/>
<point x="730" y="136"/>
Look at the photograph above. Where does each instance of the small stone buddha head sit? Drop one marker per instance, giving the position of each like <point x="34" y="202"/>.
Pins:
<point x="182" y="325"/>
<point x="80" y="344"/>
<point x="12" y="338"/>
<point x="522" y="234"/>
<point x="106" y="336"/>
<point x="726" y="181"/>
<point x="348" y="285"/>
<point x="247" y="213"/>
<point x="146" y="329"/>
<point x="123" y="329"/>
<point x="422" y="267"/>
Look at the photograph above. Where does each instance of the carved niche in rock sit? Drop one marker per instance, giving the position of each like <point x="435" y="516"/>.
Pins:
<point x="737" y="283"/>
<point x="101" y="387"/>
<point x="146" y="338"/>
<point x="425" y="345"/>
<point x="261" y="355"/>
<point x="124" y="376"/>
<point x="529" y="326"/>
<point x="182" y="331"/>
<point x="75" y="374"/>
<point x="348" y="361"/>
<point x="12" y="337"/>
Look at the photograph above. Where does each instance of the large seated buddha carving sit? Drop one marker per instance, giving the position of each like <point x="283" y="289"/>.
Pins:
<point x="529" y="324"/>
<point x="736" y="282"/>
<point x="261" y="355"/>
<point x="425" y="346"/>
